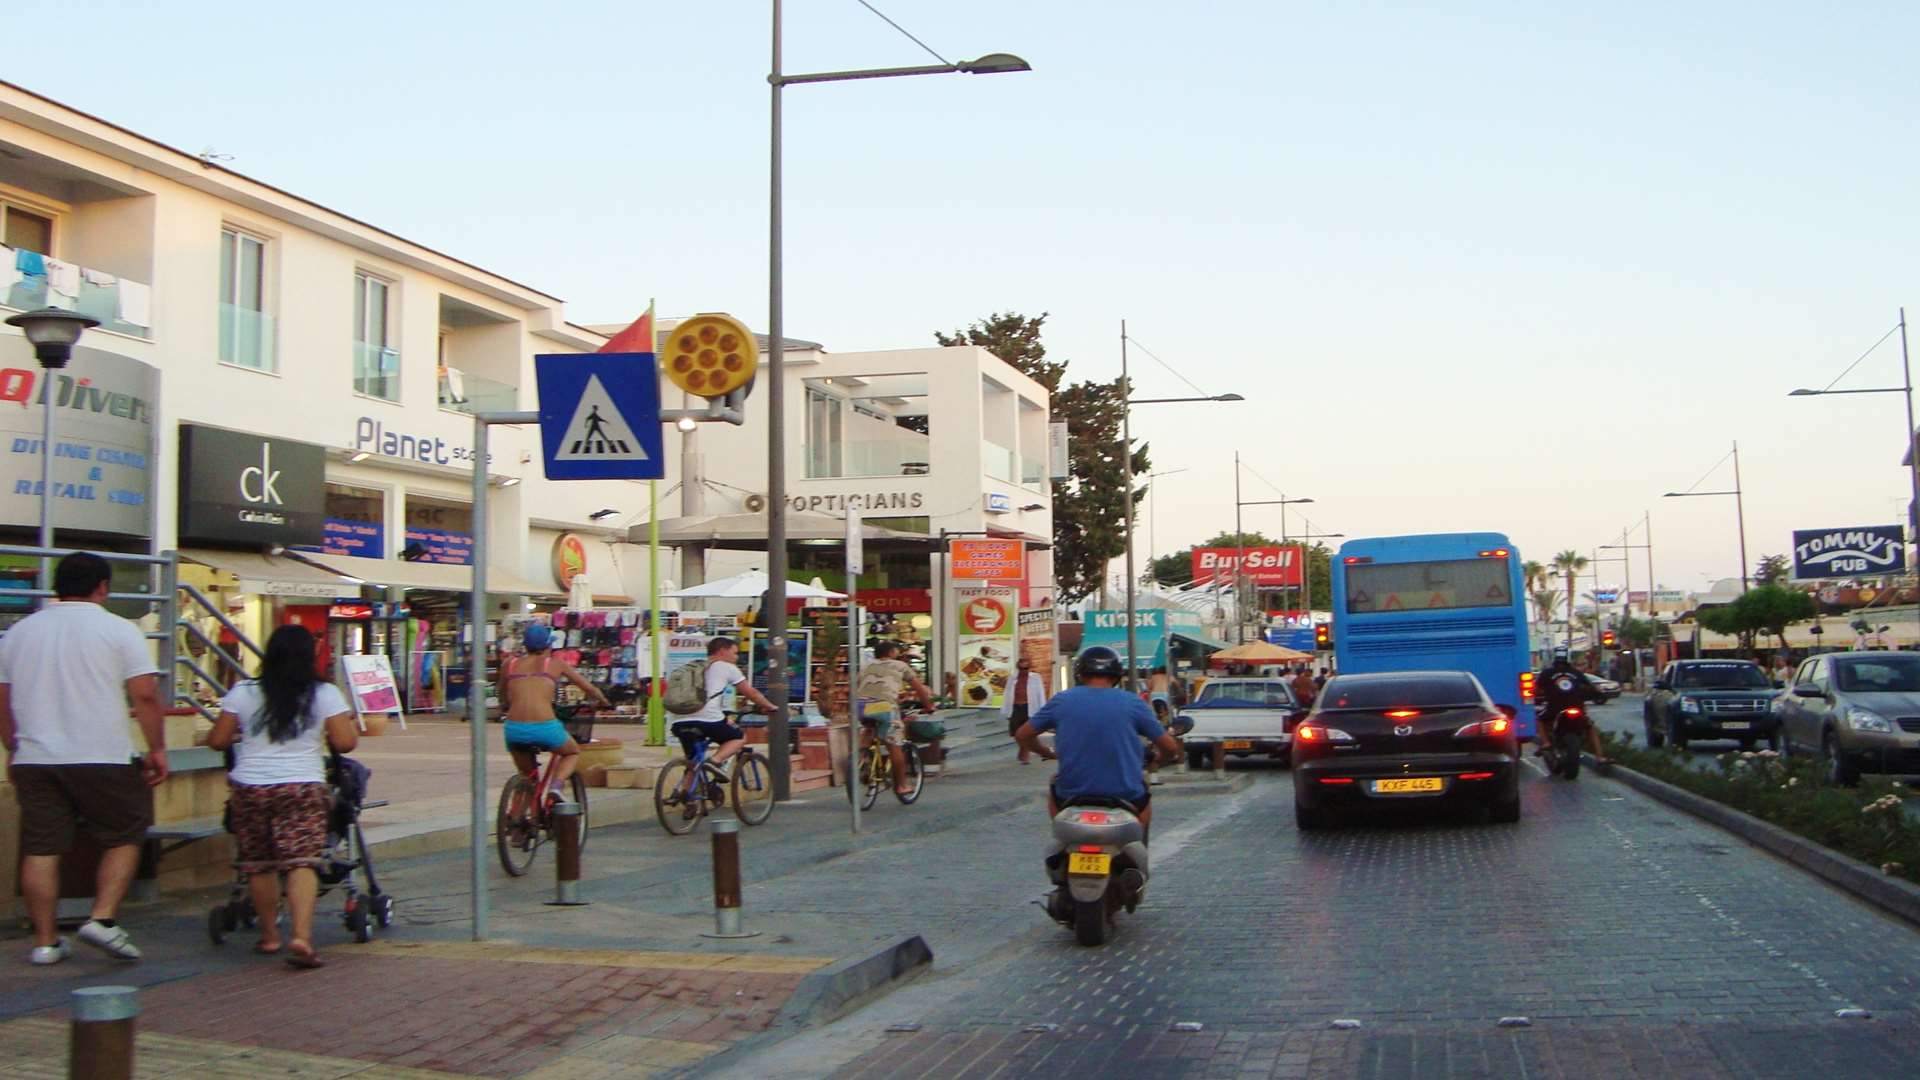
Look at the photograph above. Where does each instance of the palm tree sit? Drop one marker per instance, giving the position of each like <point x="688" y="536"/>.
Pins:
<point x="1547" y="601"/>
<point x="1534" y="573"/>
<point x="1569" y="563"/>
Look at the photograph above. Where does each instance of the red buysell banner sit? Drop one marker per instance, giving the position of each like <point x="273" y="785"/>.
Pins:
<point x="1264" y="565"/>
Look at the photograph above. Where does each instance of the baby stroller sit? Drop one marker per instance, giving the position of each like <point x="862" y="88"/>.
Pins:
<point x="346" y="853"/>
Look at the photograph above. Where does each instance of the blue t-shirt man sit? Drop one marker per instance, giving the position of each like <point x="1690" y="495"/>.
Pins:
<point x="1097" y="732"/>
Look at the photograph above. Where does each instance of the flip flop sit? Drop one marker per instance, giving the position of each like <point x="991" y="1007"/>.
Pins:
<point x="265" y="950"/>
<point x="301" y="955"/>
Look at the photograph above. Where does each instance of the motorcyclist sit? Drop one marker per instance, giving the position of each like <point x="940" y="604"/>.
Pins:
<point x="1561" y="685"/>
<point x="1097" y="731"/>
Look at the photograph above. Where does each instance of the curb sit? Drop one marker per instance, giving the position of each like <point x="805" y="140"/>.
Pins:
<point x="1893" y="895"/>
<point x="829" y="993"/>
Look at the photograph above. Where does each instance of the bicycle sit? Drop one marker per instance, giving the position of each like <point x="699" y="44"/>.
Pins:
<point x="523" y="821"/>
<point x="876" y="769"/>
<point x="687" y="791"/>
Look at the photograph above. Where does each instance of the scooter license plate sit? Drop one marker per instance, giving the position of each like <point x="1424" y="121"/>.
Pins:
<point x="1239" y="744"/>
<point x="1078" y="863"/>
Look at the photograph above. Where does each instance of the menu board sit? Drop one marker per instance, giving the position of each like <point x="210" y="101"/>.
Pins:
<point x="1036" y="643"/>
<point x="370" y="684"/>
<point x="985" y="633"/>
<point x="799" y="653"/>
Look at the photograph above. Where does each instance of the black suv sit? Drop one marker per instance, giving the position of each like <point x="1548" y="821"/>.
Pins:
<point x="1712" y="699"/>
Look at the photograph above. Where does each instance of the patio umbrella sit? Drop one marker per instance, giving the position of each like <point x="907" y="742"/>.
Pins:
<point x="751" y="586"/>
<point x="1259" y="652"/>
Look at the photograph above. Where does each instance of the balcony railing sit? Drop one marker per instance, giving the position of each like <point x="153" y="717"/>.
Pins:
<point x="468" y="393"/>
<point x="246" y="338"/>
<point x="29" y="280"/>
<point x="868" y="457"/>
<point x="1033" y="471"/>
<point x="996" y="460"/>
<point x="376" y="370"/>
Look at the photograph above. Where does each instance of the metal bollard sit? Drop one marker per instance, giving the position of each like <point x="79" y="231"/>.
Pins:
<point x="566" y="835"/>
<point x="100" y="1046"/>
<point x="726" y="882"/>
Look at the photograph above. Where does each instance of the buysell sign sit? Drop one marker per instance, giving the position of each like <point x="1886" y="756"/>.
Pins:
<point x="1844" y="553"/>
<point x="1264" y="565"/>
<point x="250" y="490"/>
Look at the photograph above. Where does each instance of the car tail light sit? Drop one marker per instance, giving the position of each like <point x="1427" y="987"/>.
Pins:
<point x="1089" y="849"/>
<point x="1526" y="687"/>
<point x="1093" y="817"/>
<point x="1492" y="727"/>
<point x="1476" y="776"/>
<point x="1321" y="733"/>
<point x="1336" y="779"/>
<point x="1402" y="714"/>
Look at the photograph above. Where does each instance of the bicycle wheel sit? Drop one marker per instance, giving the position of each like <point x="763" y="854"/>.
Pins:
<point x="752" y="788"/>
<point x="514" y="833"/>
<point x="579" y="788"/>
<point x="916" y="777"/>
<point x="677" y="810"/>
<point x="875" y="770"/>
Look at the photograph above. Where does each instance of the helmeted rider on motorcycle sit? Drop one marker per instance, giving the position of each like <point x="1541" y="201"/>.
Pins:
<point x="1097" y="731"/>
<point x="1559" y="685"/>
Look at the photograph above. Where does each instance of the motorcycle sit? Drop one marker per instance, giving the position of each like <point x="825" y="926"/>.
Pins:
<point x="1560" y="747"/>
<point x="1098" y="865"/>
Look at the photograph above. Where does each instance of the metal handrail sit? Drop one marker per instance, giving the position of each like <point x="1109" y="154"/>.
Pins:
<point x="213" y="647"/>
<point x="209" y="607"/>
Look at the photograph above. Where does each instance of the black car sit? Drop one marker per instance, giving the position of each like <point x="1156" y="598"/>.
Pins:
<point x="1711" y="699"/>
<point x="1409" y="737"/>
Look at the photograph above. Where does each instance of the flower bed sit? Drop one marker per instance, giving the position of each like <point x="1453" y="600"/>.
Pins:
<point x="1866" y="823"/>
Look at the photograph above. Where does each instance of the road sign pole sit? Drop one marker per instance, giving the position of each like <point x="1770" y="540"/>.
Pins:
<point x="656" y="684"/>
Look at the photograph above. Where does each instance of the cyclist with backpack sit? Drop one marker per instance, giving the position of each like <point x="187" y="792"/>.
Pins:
<point x="694" y="693"/>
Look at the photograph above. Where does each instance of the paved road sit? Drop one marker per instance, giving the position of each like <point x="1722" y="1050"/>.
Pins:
<point x="1675" y="949"/>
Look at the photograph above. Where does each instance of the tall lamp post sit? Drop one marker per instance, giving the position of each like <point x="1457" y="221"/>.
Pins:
<point x="1625" y="546"/>
<point x="1306" y="565"/>
<point x="1739" y="510"/>
<point x="1153" y="510"/>
<point x="1126" y="460"/>
<point x="52" y="332"/>
<point x="778" y="80"/>
<point x="1239" y="566"/>
<point x="1913" y="459"/>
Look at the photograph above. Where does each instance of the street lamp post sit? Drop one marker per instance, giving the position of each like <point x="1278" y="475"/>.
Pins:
<point x="1239" y="569"/>
<point x="1625" y="546"/>
<point x="776" y="613"/>
<point x="52" y="332"/>
<point x="1153" y="510"/>
<point x="1739" y="510"/>
<point x="1913" y="459"/>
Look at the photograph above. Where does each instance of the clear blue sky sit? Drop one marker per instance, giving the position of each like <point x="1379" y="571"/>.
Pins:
<point x="1488" y="267"/>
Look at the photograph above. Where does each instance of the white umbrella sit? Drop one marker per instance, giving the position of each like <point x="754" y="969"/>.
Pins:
<point x="750" y="586"/>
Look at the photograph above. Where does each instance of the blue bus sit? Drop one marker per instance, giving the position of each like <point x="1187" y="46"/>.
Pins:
<point x="1445" y="601"/>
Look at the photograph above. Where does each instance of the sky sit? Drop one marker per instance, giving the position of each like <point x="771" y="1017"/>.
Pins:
<point x="1475" y="266"/>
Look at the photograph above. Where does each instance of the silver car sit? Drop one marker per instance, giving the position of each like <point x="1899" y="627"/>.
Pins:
<point x="1860" y="711"/>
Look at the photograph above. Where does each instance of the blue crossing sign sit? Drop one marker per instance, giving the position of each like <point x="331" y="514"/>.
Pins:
<point x="600" y="416"/>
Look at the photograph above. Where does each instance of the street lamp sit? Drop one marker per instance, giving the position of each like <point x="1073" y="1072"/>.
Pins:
<point x="1913" y="459"/>
<point x="1153" y="509"/>
<point x="1126" y="460"/>
<point x="1240" y="559"/>
<point x="1739" y="510"/>
<point x="52" y="332"/>
<point x="990" y="64"/>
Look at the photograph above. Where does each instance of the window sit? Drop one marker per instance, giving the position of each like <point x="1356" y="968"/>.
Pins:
<point x="1424" y="586"/>
<point x="26" y="229"/>
<point x="376" y="364"/>
<point x="246" y="332"/>
<point x="1890" y="673"/>
<point x="867" y="425"/>
<point x="1725" y="675"/>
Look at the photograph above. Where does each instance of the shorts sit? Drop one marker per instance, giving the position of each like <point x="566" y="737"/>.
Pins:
<point x="692" y="733"/>
<point x="542" y="734"/>
<point x="1139" y="802"/>
<point x="278" y="827"/>
<point x="884" y="719"/>
<point x="111" y="802"/>
<point x="1018" y="717"/>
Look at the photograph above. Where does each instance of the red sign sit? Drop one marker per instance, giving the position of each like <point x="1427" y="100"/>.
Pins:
<point x="884" y="600"/>
<point x="1264" y="565"/>
<point x="987" y="560"/>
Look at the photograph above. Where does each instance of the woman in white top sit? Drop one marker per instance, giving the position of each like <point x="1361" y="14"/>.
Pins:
<point x="279" y="726"/>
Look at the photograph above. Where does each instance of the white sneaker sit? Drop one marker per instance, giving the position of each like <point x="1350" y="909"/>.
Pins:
<point x="112" y="940"/>
<point x="44" y="955"/>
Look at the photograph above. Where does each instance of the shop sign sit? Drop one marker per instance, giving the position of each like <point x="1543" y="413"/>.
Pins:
<point x="1669" y="598"/>
<point x="442" y="545"/>
<point x="999" y="502"/>
<point x="1059" y="466"/>
<point x="370" y="682"/>
<point x="1263" y="565"/>
<point x="290" y="588"/>
<point x="103" y="432"/>
<point x="1605" y="595"/>
<point x="986" y="560"/>
<point x="1036" y="642"/>
<point x="1851" y="552"/>
<point x="356" y="612"/>
<point x="681" y="648"/>
<point x="360" y="539"/>
<point x="569" y="559"/>
<point x="985" y="627"/>
<point x="896" y="600"/>
<point x="373" y="437"/>
<point x="799" y="663"/>
<point x="870" y="500"/>
<point x="252" y="490"/>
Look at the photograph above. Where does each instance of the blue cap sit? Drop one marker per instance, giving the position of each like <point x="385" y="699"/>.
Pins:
<point x="537" y="638"/>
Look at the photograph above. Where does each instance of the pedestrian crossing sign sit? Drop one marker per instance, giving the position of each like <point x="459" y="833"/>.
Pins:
<point x="600" y="416"/>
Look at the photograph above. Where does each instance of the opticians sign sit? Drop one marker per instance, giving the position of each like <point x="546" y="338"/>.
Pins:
<point x="1860" y="551"/>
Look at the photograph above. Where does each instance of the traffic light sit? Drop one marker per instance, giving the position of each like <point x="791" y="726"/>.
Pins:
<point x="1607" y="639"/>
<point x="710" y="355"/>
<point x="1322" y="636"/>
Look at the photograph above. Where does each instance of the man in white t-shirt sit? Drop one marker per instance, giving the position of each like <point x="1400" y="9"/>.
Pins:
<point x="67" y="675"/>
<point x="710" y="723"/>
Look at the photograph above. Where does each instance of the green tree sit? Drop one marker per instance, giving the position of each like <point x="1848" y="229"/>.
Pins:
<point x="1534" y="574"/>
<point x="1636" y="633"/>
<point x="1771" y="608"/>
<point x="1727" y="621"/>
<point x="1771" y="570"/>
<point x="1548" y="601"/>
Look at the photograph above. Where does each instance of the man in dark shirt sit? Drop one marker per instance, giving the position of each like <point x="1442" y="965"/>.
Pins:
<point x="1097" y="731"/>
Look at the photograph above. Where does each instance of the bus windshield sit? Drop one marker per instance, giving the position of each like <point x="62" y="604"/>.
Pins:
<point x="1428" y="586"/>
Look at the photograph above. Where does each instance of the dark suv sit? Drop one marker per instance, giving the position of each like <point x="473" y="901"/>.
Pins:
<point x="1711" y="699"/>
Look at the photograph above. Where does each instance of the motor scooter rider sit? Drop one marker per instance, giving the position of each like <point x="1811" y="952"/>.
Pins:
<point x="1097" y="731"/>
<point x="1559" y="685"/>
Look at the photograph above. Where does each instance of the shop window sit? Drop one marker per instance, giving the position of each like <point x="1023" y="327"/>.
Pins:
<point x="26" y="230"/>
<point x="376" y="363"/>
<point x="246" y="330"/>
<point x="438" y="531"/>
<point x="868" y="425"/>
<point x="356" y="522"/>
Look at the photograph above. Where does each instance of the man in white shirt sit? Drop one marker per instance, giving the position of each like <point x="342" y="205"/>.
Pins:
<point x="710" y="723"/>
<point x="67" y="674"/>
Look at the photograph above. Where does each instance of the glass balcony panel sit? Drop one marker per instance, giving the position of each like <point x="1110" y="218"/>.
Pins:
<point x="468" y="393"/>
<point x="122" y="305"/>
<point x="376" y="370"/>
<point x="997" y="460"/>
<point x="1033" y="471"/>
<point x="246" y="338"/>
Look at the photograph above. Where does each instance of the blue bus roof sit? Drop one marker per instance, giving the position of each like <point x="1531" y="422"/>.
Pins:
<point x="1374" y="545"/>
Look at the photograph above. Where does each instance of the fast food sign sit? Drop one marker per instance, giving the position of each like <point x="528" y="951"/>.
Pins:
<point x="985" y="643"/>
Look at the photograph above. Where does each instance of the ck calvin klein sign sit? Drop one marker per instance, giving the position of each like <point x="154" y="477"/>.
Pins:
<point x="247" y="490"/>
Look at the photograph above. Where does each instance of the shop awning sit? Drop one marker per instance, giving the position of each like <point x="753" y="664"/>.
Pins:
<point x="400" y="574"/>
<point x="748" y="532"/>
<point x="275" y="575"/>
<point x="1197" y="638"/>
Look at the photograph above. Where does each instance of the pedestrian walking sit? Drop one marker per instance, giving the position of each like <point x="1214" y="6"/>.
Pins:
<point x="279" y="726"/>
<point x="1305" y="689"/>
<point x="1024" y="696"/>
<point x="68" y="673"/>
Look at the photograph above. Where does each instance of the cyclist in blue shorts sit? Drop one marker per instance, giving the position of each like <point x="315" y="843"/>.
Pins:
<point x="527" y="687"/>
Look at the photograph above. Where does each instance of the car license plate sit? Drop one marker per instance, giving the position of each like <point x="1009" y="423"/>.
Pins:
<point x="1734" y="725"/>
<point x="1239" y="744"/>
<point x="1406" y="785"/>
<point x="1078" y="863"/>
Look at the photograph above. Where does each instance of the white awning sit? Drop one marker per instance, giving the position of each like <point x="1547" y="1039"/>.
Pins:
<point x="275" y="575"/>
<point x="400" y="574"/>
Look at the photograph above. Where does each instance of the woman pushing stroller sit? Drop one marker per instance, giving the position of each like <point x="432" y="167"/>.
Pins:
<point x="279" y="726"/>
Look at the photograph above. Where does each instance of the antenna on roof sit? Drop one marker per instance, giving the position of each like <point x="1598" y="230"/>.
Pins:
<point x="209" y="156"/>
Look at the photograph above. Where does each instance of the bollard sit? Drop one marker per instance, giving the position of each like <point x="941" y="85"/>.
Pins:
<point x="100" y="1046"/>
<point x="1219" y="757"/>
<point x="566" y="874"/>
<point x="726" y="882"/>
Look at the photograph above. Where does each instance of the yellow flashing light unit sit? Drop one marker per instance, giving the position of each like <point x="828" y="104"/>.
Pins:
<point x="710" y="355"/>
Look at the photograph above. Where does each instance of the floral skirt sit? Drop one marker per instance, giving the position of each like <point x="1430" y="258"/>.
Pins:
<point x="278" y="827"/>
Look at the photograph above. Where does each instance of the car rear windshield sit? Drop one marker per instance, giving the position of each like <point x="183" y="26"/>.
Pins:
<point x="1242" y="695"/>
<point x="1428" y="586"/>
<point x="1728" y="676"/>
<point x="1880" y="675"/>
<point x="1424" y="692"/>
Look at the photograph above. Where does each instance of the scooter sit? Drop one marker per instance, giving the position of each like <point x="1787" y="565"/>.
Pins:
<point x="1560" y="747"/>
<point x="1098" y="865"/>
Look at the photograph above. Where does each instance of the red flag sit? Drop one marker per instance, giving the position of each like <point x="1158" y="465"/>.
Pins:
<point x="635" y="338"/>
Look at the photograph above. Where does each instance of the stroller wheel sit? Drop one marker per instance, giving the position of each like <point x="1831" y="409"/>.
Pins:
<point x="358" y="924"/>
<point x="218" y="923"/>
<point x="383" y="911"/>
